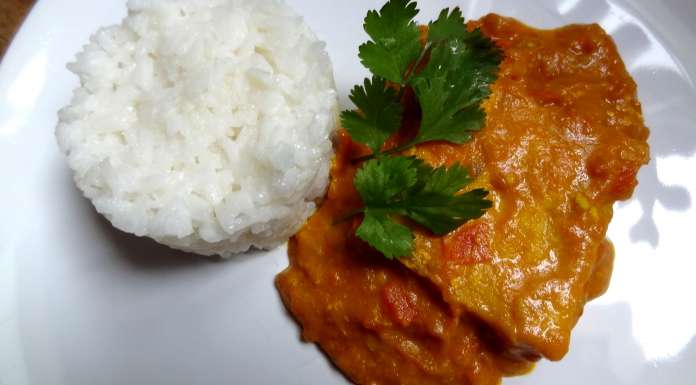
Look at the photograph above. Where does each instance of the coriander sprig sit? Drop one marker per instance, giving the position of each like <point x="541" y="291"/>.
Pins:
<point x="461" y="66"/>
<point x="450" y="75"/>
<point x="408" y="187"/>
<point x="395" y="40"/>
<point x="379" y="116"/>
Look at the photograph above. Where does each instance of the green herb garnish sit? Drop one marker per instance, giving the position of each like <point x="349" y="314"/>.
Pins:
<point x="379" y="116"/>
<point x="395" y="40"/>
<point x="450" y="75"/>
<point x="408" y="187"/>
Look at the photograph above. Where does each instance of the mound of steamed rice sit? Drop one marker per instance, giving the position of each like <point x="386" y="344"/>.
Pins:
<point x="203" y="124"/>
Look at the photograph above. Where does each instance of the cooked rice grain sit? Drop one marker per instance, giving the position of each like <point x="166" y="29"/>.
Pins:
<point x="204" y="124"/>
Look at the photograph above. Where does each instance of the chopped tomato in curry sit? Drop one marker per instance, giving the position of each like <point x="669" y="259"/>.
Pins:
<point x="564" y="139"/>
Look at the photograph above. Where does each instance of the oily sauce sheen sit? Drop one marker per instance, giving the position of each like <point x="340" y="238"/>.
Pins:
<point x="563" y="141"/>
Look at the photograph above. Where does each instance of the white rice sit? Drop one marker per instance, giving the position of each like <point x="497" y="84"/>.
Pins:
<point x="204" y="124"/>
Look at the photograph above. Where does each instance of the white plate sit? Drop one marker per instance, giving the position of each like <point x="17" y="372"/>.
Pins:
<point x="81" y="303"/>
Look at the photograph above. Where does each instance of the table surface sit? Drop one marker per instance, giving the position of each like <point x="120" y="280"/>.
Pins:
<point x="12" y="13"/>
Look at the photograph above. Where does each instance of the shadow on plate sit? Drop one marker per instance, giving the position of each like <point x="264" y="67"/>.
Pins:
<point x="671" y="135"/>
<point x="605" y="350"/>
<point x="667" y="98"/>
<point x="143" y="253"/>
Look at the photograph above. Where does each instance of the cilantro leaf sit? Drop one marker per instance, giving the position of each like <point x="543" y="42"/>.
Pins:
<point x="449" y="25"/>
<point x="447" y="181"/>
<point x="442" y="213"/>
<point x="379" y="116"/>
<point x="434" y="203"/>
<point x="392" y="239"/>
<point x="407" y="187"/>
<point x="452" y="85"/>
<point x="395" y="40"/>
<point x="451" y="74"/>
<point x="379" y="181"/>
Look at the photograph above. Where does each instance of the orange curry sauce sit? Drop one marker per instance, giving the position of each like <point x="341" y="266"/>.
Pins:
<point x="564" y="139"/>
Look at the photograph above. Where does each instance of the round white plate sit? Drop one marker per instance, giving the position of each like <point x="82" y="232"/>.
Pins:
<point x="82" y="303"/>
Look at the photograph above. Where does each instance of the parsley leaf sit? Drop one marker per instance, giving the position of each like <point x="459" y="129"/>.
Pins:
<point x="407" y="187"/>
<point x="452" y="85"/>
<point x="379" y="116"/>
<point x="395" y="40"/>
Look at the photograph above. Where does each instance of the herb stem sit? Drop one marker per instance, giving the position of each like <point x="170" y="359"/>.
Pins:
<point x="390" y="151"/>
<point x="396" y="149"/>
<point x="412" y="70"/>
<point x="350" y="214"/>
<point x="366" y="157"/>
<point x="402" y="88"/>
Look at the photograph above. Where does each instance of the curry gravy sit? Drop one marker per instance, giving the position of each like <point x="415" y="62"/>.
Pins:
<point x="564" y="139"/>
